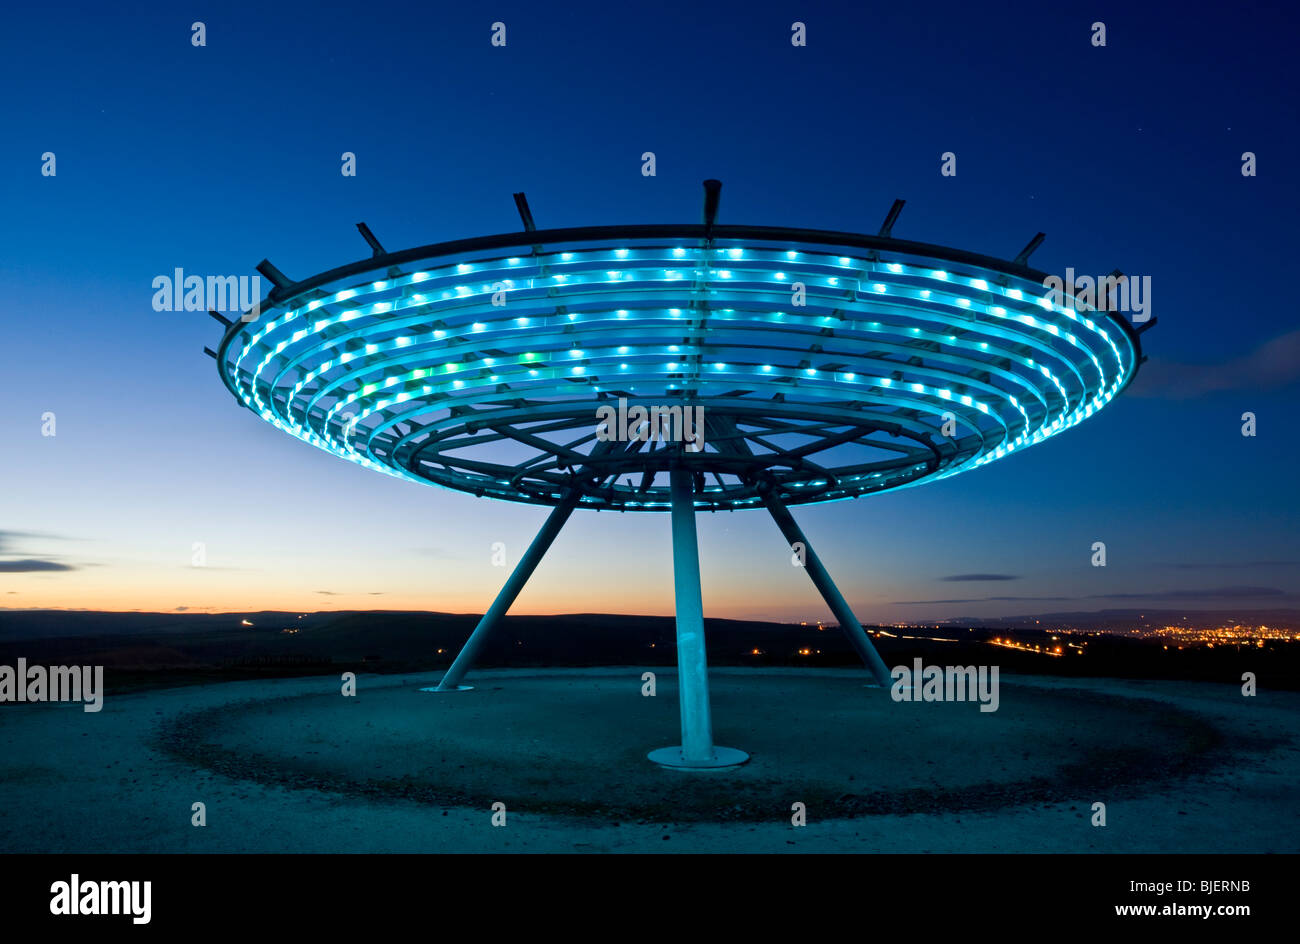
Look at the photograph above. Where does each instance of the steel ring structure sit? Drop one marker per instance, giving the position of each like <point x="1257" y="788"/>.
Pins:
<point x="675" y="368"/>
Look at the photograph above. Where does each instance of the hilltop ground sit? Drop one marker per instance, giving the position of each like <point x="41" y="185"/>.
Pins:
<point x="291" y="765"/>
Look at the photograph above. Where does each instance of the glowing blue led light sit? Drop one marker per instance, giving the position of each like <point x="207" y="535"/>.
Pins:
<point x="304" y="374"/>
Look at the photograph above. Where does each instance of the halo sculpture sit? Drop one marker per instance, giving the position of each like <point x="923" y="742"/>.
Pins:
<point x="791" y="366"/>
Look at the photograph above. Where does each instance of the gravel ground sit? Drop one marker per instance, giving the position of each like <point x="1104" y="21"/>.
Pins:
<point x="292" y="766"/>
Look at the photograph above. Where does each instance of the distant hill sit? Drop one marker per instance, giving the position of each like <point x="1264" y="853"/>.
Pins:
<point x="1117" y="620"/>
<point x="392" y="638"/>
<point x="151" y="649"/>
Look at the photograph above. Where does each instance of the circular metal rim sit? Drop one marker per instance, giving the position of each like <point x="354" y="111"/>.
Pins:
<point x="723" y="757"/>
<point x="555" y="240"/>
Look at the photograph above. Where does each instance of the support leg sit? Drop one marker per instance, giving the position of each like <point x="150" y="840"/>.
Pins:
<point x="697" y="748"/>
<point x="523" y="570"/>
<point x="830" y="593"/>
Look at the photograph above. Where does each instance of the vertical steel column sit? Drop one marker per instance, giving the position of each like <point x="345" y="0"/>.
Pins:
<point x="523" y="570"/>
<point x="697" y="748"/>
<point x="692" y="659"/>
<point x="830" y="593"/>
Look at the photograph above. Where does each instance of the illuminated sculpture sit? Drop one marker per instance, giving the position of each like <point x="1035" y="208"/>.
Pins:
<point x="822" y="365"/>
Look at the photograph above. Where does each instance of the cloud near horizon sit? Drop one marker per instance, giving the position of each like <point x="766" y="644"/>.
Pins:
<point x="33" y="566"/>
<point x="1213" y="593"/>
<point x="1235" y="565"/>
<point x="7" y="535"/>
<point x="1272" y="365"/>
<point x="30" y="565"/>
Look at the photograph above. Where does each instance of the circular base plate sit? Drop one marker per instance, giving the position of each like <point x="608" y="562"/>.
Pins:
<point x="435" y="690"/>
<point x="722" y="757"/>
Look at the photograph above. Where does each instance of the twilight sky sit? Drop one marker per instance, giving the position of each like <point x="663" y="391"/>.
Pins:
<point x="209" y="159"/>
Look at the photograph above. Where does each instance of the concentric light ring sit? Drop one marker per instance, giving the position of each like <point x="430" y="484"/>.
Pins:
<point x="479" y="365"/>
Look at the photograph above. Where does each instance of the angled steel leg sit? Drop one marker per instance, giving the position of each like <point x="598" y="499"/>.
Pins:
<point x="523" y="570"/>
<point x="830" y="593"/>
<point x="518" y="577"/>
<point x="697" y="748"/>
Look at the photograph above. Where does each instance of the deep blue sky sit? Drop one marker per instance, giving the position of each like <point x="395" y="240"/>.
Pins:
<point x="211" y="158"/>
